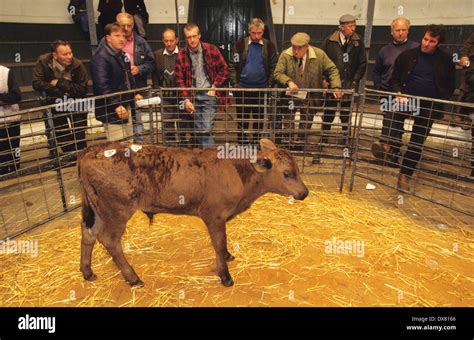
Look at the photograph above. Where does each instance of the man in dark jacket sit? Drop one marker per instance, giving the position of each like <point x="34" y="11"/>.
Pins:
<point x="60" y="77"/>
<point x="251" y="65"/>
<point x="78" y="11"/>
<point x="137" y="9"/>
<point x="392" y="125"/>
<point x="110" y="69"/>
<point x="108" y="11"/>
<point x="426" y="71"/>
<point x="346" y="49"/>
<point x="142" y="65"/>
<point x="201" y="65"/>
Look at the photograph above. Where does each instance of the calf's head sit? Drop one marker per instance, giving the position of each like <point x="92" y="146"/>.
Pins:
<point x="280" y="171"/>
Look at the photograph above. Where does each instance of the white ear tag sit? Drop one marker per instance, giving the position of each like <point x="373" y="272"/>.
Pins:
<point x="110" y="153"/>
<point x="136" y="148"/>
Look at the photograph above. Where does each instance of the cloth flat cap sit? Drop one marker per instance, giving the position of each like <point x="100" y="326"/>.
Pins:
<point x="347" y="18"/>
<point x="300" y="39"/>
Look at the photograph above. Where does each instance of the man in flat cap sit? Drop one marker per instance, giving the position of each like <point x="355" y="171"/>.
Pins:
<point x="303" y="66"/>
<point x="346" y="49"/>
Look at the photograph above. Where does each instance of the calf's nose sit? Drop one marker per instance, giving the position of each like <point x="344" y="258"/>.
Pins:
<point x="303" y="195"/>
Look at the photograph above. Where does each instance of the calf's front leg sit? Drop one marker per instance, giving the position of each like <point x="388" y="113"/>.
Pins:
<point x="218" y="236"/>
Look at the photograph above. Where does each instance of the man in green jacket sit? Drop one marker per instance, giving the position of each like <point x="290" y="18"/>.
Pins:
<point x="302" y="66"/>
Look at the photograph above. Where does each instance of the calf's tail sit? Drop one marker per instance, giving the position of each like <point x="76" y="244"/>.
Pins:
<point x="88" y="215"/>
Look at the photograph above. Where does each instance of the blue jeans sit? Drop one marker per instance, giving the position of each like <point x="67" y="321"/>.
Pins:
<point x="204" y="118"/>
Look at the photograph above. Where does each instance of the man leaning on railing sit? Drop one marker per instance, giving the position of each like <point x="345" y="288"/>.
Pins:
<point x="251" y="65"/>
<point x="61" y="78"/>
<point x="388" y="148"/>
<point x="425" y="71"/>
<point x="201" y="65"/>
<point x="302" y="66"/>
<point x="111" y="72"/>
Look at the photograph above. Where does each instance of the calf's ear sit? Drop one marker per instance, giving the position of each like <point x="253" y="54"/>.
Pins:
<point x="262" y="164"/>
<point x="267" y="145"/>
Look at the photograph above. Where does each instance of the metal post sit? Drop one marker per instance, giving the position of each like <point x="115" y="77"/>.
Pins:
<point x="356" y="140"/>
<point x="283" y="26"/>
<point x="265" y="116"/>
<point x="346" y="146"/>
<point x="269" y="23"/>
<point x="368" y="37"/>
<point x="54" y="154"/>
<point x="360" y="109"/>
<point x="162" y="113"/>
<point x="177" y="18"/>
<point x="92" y="28"/>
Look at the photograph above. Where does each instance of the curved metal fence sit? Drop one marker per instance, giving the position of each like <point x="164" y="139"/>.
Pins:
<point x="38" y="179"/>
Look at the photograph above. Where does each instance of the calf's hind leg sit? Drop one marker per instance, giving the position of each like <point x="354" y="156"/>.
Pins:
<point x="110" y="236"/>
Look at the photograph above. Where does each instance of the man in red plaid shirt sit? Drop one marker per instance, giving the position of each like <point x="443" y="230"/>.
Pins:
<point x="202" y="66"/>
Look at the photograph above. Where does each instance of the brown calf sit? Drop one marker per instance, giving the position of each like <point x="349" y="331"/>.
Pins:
<point x="157" y="179"/>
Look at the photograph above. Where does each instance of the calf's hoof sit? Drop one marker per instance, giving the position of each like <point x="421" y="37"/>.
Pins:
<point x="136" y="283"/>
<point x="89" y="276"/>
<point x="227" y="282"/>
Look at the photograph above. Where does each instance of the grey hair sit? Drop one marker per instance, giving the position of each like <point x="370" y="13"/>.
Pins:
<point x="257" y="23"/>
<point x="401" y="19"/>
<point x="126" y="15"/>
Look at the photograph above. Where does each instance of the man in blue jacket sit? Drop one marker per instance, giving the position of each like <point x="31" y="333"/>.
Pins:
<point x="142" y="64"/>
<point x="111" y="72"/>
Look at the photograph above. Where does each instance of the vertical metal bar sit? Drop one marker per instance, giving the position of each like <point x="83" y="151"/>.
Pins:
<point x="346" y="145"/>
<point x="368" y="37"/>
<point x="150" y="119"/>
<point x="265" y="116"/>
<point x="177" y="18"/>
<point x="162" y="112"/>
<point x="356" y="139"/>
<point x="283" y="26"/>
<point x="54" y="153"/>
<point x="269" y="23"/>
<point x="91" y="22"/>
<point x="361" y="89"/>
<point x="274" y="114"/>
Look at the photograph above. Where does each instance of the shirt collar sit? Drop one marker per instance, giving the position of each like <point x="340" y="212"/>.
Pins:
<point x="342" y="38"/>
<point x="113" y="49"/>
<point x="176" y="51"/>
<point x="260" y="41"/>
<point x="403" y="42"/>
